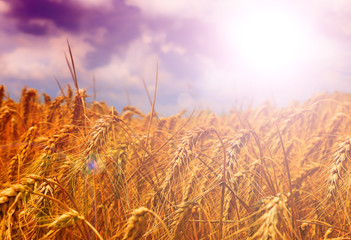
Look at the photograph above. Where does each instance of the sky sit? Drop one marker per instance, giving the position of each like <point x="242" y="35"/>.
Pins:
<point x="211" y="54"/>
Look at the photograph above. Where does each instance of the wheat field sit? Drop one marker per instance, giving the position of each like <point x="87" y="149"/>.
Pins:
<point x="75" y="169"/>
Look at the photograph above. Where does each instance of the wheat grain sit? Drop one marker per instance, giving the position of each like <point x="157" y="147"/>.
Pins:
<point x="78" y="112"/>
<point x="27" y="100"/>
<point x="136" y="225"/>
<point x="21" y="156"/>
<point x="182" y="216"/>
<point x="134" y="110"/>
<point x="54" y="107"/>
<point x="67" y="219"/>
<point x="167" y="165"/>
<point x="2" y="94"/>
<point x="271" y="222"/>
<point x="338" y="167"/>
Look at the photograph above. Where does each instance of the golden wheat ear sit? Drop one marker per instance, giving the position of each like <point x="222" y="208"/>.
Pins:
<point x="137" y="224"/>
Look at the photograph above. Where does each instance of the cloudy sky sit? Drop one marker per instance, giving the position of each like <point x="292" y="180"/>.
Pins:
<point x="211" y="53"/>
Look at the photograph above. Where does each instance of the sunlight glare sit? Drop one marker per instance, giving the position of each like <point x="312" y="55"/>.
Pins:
<point x="270" y="40"/>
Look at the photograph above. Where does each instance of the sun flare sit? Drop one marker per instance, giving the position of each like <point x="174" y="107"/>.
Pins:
<point x="270" y="40"/>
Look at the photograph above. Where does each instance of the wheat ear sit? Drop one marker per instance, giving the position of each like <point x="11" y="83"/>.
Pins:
<point x="137" y="224"/>
<point x="337" y="168"/>
<point x="275" y="210"/>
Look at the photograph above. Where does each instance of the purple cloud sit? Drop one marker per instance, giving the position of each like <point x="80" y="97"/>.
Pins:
<point x="120" y="41"/>
<point x="64" y="14"/>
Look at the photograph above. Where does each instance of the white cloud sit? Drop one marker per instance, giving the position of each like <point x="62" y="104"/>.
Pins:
<point x="160" y="38"/>
<point x="95" y="3"/>
<point x="30" y="57"/>
<point x="97" y="35"/>
<point x="185" y="100"/>
<point x="136" y="64"/>
<point x="333" y="5"/>
<point x="180" y="8"/>
<point x="4" y="7"/>
<point x="40" y="59"/>
<point x="171" y="47"/>
<point x="126" y="73"/>
<point x="148" y="36"/>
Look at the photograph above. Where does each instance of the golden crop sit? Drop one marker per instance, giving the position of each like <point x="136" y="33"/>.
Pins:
<point x="77" y="170"/>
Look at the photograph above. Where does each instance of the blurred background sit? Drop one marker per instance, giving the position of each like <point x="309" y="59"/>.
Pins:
<point x="211" y="54"/>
